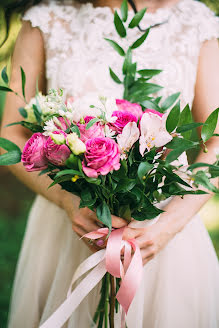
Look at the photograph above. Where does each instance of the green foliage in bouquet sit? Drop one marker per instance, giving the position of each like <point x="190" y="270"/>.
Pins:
<point x="142" y="181"/>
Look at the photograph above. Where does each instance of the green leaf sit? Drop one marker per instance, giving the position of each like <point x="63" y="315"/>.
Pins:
<point x="170" y="101"/>
<point x="143" y="169"/>
<point x="5" y="75"/>
<point x="147" y="212"/>
<point x="137" y="18"/>
<point x="179" y="145"/>
<point x="95" y="181"/>
<point x="119" y="25"/>
<point x="127" y="62"/>
<point x="185" y="118"/>
<point x="75" y="129"/>
<point x="72" y="162"/>
<point x="209" y="125"/>
<point x="87" y="199"/>
<point x="144" y="88"/>
<point x="124" y="10"/>
<point x="23" y="78"/>
<point x="8" y="145"/>
<point x="125" y="212"/>
<point x="104" y="215"/>
<point x="150" y="104"/>
<point x="114" y="76"/>
<point x="10" y="158"/>
<point x="23" y="112"/>
<point x="173" y="118"/>
<point x="37" y="114"/>
<point x="125" y="185"/>
<point x="59" y="180"/>
<point x="67" y="172"/>
<point x="115" y="45"/>
<point x="13" y="156"/>
<point x="196" y="165"/>
<point x="91" y="123"/>
<point x="188" y="127"/>
<point x="5" y="89"/>
<point x="149" y="72"/>
<point x="200" y="178"/>
<point x="139" y="41"/>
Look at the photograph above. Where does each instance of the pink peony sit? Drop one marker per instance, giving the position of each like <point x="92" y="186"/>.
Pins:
<point x="95" y="131"/>
<point x="123" y="118"/>
<point x="102" y="156"/>
<point x="125" y="105"/>
<point x="33" y="156"/>
<point x="56" y="154"/>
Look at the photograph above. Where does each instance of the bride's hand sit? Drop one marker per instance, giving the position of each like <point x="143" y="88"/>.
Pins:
<point x="151" y="239"/>
<point x="84" y="220"/>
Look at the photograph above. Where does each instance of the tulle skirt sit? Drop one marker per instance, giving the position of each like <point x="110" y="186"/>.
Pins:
<point x="180" y="286"/>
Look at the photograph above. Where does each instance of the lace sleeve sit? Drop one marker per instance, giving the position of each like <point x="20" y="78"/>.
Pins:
<point x="208" y="24"/>
<point x="53" y="19"/>
<point x="39" y="16"/>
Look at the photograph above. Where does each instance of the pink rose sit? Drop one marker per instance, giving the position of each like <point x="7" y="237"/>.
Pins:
<point x="102" y="156"/>
<point x="125" y="105"/>
<point x="33" y="156"/>
<point x="56" y="154"/>
<point x="95" y="131"/>
<point x="123" y="118"/>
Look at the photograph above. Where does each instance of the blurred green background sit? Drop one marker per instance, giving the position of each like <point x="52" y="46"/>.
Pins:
<point x="16" y="199"/>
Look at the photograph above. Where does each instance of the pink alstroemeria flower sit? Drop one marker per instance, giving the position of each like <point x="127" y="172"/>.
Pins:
<point x="153" y="130"/>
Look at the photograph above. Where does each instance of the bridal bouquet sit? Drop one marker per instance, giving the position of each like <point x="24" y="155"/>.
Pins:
<point x="120" y="156"/>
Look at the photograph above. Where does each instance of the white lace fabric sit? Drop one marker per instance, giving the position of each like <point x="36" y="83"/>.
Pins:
<point x="78" y="57"/>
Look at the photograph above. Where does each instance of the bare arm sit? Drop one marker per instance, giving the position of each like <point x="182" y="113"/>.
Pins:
<point x="180" y="211"/>
<point x="29" y="53"/>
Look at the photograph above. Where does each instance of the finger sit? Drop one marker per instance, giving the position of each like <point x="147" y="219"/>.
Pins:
<point x="87" y="224"/>
<point x="130" y="233"/>
<point x="143" y="242"/>
<point x="147" y="253"/>
<point x="147" y="259"/>
<point x="118" y="222"/>
<point x="80" y="232"/>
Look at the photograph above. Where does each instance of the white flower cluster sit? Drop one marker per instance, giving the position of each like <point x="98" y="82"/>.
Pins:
<point x="49" y="105"/>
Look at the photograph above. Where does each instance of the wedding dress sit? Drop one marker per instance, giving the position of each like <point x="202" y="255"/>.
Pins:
<point x="180" y="286"/>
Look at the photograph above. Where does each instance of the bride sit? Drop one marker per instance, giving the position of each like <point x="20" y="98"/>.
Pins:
<point x="62" y="44"/>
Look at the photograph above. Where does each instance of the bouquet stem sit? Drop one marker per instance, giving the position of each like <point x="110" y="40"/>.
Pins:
<point x="106" y="307"/>
<point x="112" y="301"/>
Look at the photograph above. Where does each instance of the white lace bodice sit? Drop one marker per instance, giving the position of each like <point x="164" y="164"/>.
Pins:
<point x="78" y="56"/>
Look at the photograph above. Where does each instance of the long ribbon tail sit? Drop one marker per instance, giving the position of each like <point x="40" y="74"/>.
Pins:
<point x="87" y="265"/>
<point x="132" y="278"/>
<point x="63" y="313"/>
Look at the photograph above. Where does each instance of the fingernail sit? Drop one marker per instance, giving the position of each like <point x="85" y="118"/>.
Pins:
<point x="100" y="242"/>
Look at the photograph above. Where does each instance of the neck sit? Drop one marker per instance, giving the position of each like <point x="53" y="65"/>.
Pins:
<point x="151" y="5"/>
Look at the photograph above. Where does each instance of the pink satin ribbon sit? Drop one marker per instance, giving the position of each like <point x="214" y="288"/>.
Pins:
<point x="130" y="270"/>
<point x="109" y="260"/>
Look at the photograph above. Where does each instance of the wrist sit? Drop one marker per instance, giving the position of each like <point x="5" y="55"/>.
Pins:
<point x="69" y="202"/>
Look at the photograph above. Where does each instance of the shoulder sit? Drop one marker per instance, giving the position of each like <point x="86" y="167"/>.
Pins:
<point x="196" y="14"/>
<point x="46" y="13"/>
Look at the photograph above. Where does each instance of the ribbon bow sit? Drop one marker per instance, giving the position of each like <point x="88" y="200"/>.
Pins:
<point x="105" y="260"/>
